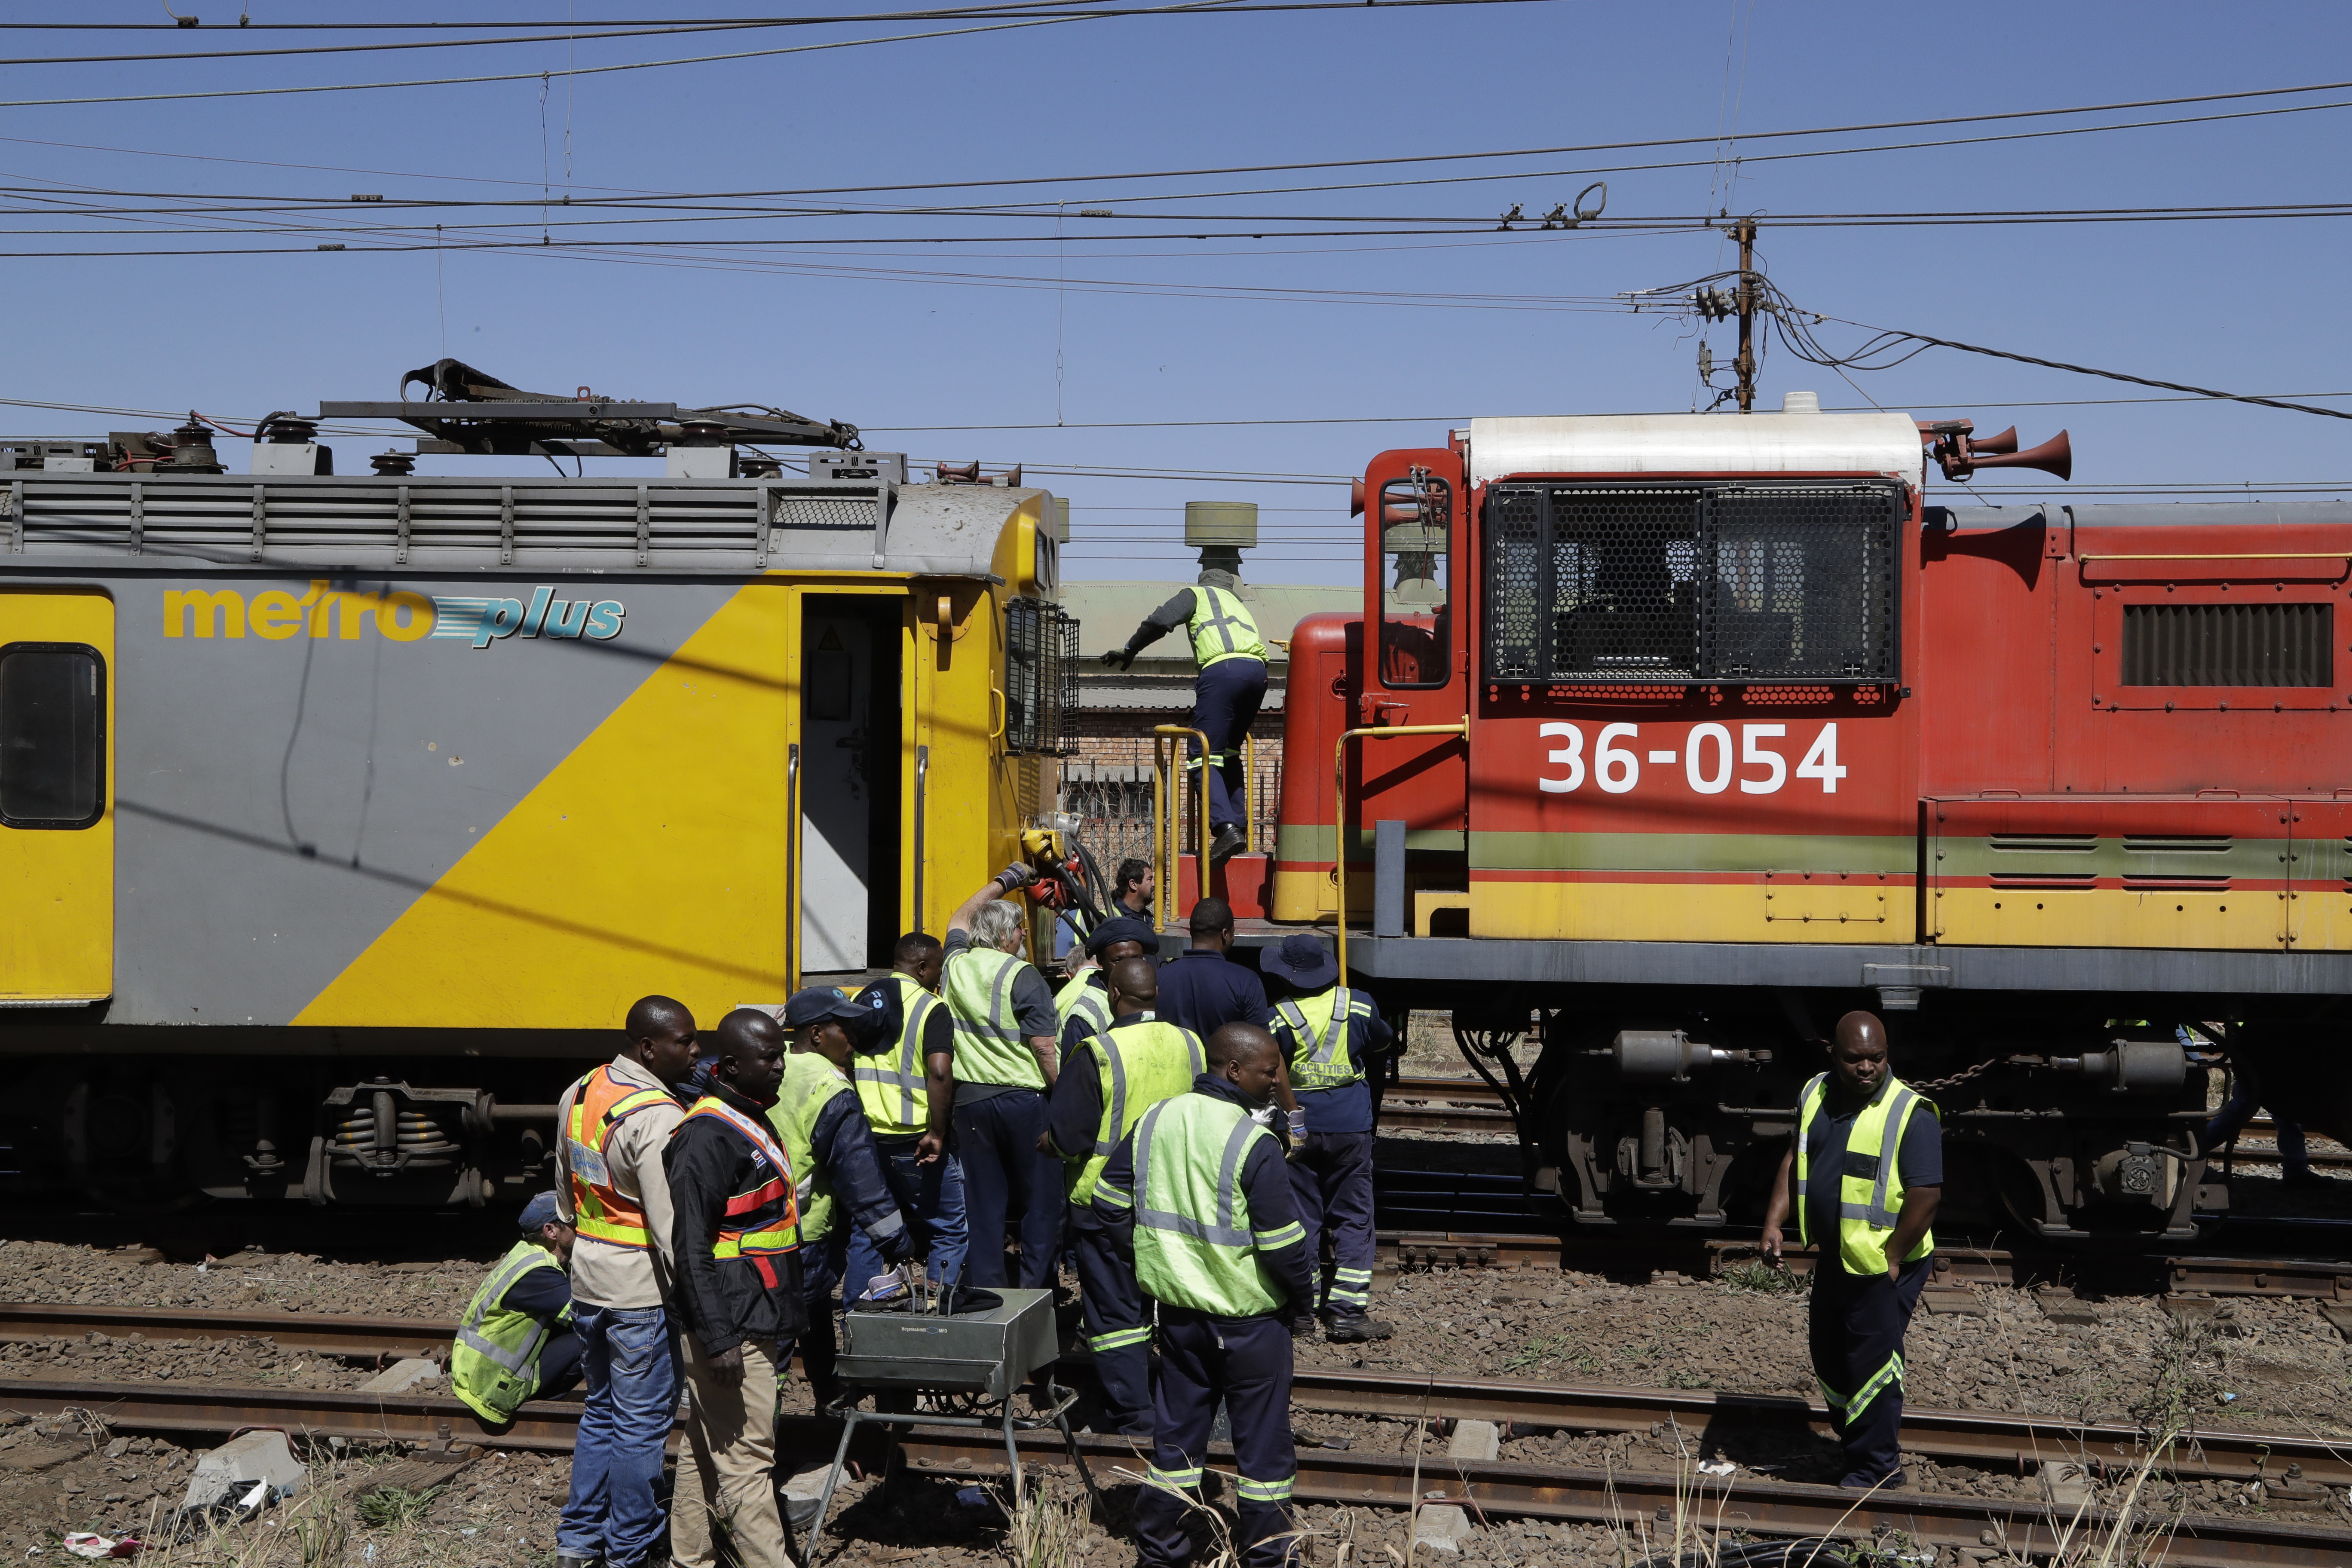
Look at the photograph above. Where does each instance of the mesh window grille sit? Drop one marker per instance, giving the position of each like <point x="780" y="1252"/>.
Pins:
<point x="1650" y="584"/>
<point x="2229" y="644"/>
<point x="1041" y="678"/>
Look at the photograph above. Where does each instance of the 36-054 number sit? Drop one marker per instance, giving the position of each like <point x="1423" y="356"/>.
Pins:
<point x="1707" y="759"/>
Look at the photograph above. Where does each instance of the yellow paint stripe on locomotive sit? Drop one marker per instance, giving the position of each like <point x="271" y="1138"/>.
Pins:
<point x="1857" y="911"/>
<point x="650" y="860"/>
<point x="2104" y="917"/>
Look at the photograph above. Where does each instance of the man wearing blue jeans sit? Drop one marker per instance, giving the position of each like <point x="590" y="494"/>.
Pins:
<point x="613" y="1190"/>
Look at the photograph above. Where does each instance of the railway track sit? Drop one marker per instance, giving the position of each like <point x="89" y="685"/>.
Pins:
<point x="1467" y="1105"/>
<point x="1967" y="1437"/>
<point x="1333" y="1476"/>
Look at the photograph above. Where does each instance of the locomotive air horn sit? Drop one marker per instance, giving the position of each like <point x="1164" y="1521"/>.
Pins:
<point x="2056" y="456"/>
<point x="1959" y="454"/>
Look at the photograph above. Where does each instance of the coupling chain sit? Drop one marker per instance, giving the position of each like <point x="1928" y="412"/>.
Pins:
<point x="1958" y="1078"/>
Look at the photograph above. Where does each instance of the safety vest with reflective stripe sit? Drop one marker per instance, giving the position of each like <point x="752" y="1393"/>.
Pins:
<point x="1870" y="1188"/>
<point x="600" y="1102"/>
<point x="989" y="1045"/>
<point x="810" y="1083"/>
<point x="494" y="1364"/>
<point x="1322" y="1037"/>
<point x="1138" y="1066"/>
<point x="1084" y="999"/>
<point x="762" y="1219"/>
<point x="891" y="1084"/>
<point x="1222" y="628"/>
<point x="1194" y="1246"/>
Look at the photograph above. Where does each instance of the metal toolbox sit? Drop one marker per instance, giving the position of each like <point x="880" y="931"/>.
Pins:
<point x="990" y="1353"/>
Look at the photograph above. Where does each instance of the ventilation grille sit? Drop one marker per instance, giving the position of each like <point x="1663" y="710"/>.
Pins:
<point x="1041" y="678"/>
<point x="1624" y="584"/>
<point x="2185" y="844"/>
<point x="2045" y="843"/>
<point x="2156" y="884"/>
<point x="2229" y="644"/>
<point x="2054" y="881"/>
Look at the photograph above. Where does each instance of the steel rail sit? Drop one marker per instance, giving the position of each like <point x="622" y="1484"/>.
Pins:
<point x="1974" y="1437"/>
<point x="1969" y="1436"/>
<point x="1324" y="1475"/>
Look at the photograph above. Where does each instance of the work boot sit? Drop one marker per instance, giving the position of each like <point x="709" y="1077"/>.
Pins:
<point x="1228" y="843"/>
<point x="562" y="1561"/>
<point x="1357" y="1329"/>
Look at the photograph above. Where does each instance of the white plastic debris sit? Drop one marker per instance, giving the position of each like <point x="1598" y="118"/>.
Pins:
<point x="84" y="1543"/>
<point x="248" y="1471"/>
<point x="1719" y="1467"/>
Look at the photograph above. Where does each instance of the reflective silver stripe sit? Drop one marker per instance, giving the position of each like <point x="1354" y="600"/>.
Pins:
<point x="1000" y="993"/>
<point x="1808" y="1107"/>
<point x="1117" y="1059"/>
<point x="491" y="1294"/>
<point x="1327" y="1045"/>
<point x="1216" y="618"/>
<point x="1222" y="1233"/>
<point x="1892" y="1127"/>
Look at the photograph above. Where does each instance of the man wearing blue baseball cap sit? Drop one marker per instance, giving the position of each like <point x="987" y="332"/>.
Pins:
<point x="1084" y="1005"/>
<point x="1331" y="1036"/>
<point x="515" y="1342"/>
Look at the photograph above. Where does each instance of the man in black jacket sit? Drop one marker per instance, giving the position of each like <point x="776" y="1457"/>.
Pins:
<point x="739" y="1286"/>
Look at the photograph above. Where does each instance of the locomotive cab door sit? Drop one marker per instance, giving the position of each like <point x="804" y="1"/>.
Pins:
<point x="57" y="785"/>
<point x="1414" y="674"/>
<point x="848" y="782"/>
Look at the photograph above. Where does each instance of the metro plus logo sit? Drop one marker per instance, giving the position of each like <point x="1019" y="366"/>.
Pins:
<point x="485" y="621"/>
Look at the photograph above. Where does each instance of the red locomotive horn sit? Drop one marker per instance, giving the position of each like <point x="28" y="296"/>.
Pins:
<point x="1356" y="498"/>
<point x="2056" y="456"/>
<point x="2004" y="442"/>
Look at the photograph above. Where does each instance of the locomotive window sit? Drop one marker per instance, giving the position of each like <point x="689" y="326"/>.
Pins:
<point x="1416" y="535"/>
<point x="52" y="735"/>
<point x="2229" y="644"/>
<point x="1692" y="583"/>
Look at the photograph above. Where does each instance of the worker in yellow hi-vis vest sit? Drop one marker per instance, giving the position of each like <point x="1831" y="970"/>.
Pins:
<point x="1226" y="694"/>
<point x="1867" y="1173"/>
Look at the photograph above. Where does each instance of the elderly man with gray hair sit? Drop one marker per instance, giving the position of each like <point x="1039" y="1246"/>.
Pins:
<point x="1004" y="1067"/>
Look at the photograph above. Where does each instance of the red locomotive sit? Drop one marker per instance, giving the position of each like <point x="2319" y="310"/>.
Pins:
<point x="1664" y="739"/>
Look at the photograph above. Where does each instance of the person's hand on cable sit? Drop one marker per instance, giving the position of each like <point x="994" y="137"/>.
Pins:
<point x="1018" y="875"/>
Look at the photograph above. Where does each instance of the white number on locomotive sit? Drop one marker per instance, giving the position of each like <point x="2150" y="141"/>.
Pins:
<point x="1707" y="759"/>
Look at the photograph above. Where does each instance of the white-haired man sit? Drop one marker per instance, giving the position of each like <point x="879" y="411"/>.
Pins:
<point x="1004" y="1067"/>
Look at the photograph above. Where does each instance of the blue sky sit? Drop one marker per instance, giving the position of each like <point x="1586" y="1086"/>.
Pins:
<point x="884" y="326"/>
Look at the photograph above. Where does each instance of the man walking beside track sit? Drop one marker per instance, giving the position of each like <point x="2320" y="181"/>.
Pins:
<point x="825" y="1136"/>
<point x="739" y="1285"/>
<point x="1867" y="1164"/>
<point x="615" y="1123"/>
<point x="515" y="1342"/>
<point x="1202" y="990"/>
<point x="1004" y="1065"/>
<point x="1197" y="1192"/>
<point x="1110" y="1079"/>
<point x="1329" y="1034"/>
<point x="1226" y="694"/>
<point x="906" y="1082"/>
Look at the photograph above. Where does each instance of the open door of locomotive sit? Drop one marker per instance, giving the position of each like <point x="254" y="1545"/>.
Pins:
<point x="56" y="782"/>
<point x="1414" y="675"/>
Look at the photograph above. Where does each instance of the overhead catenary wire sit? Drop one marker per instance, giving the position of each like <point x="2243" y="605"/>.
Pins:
<point x="1218" y="7"/>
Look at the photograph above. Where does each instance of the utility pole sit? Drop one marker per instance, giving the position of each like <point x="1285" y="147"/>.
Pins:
<point x="1744" y="367"/>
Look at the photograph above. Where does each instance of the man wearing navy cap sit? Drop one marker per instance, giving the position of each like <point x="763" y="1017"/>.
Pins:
<point x="515" y="1342"/>
<point x="1330" y="1037"/>
<point x="1083" y="1003"/>
<point x="837" y="1168"/>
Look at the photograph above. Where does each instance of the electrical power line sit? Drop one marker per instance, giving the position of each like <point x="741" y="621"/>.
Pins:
<point x="1202" y="7"/>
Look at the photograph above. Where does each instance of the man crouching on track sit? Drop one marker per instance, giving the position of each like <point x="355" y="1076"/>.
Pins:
<point x="1868" y="1169"/>
<point x="739" y="1285"/>
<point x="616" y="1123"/>
<point x="1200" y="1192"/>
